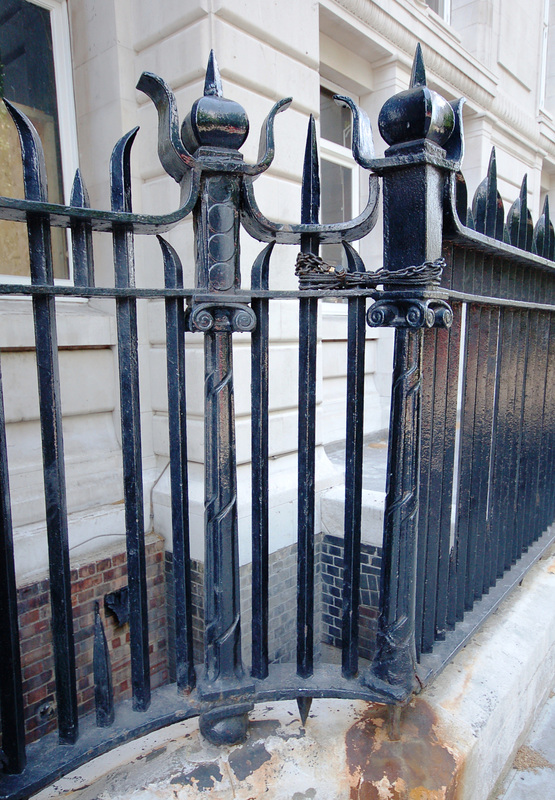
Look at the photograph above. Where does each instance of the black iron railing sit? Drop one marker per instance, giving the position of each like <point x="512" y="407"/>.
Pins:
<point x="473" y="321"/>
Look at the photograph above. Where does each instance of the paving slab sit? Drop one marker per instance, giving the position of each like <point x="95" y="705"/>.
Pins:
<point x="532" y="775"/>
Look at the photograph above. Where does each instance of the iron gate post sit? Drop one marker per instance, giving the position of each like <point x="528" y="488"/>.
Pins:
<point x="214" y="130"/>
<point x="416" y="124"/>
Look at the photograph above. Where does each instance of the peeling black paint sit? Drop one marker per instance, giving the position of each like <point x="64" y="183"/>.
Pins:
<point x="203" y="777"/>
<point x="248" y="758"/>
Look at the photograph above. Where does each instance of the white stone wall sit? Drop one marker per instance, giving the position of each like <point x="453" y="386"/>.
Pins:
<point x="491" y="53"/>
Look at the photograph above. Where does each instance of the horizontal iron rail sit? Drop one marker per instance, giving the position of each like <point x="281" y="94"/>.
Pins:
<point x="104" y="221"/>
<point x="245" y="295"/>
<point x="459" y="234"/>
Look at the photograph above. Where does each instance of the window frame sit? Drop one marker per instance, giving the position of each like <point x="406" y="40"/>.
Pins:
<point x="445" y="13"/>
<point x="542" y="89"/>
<point x="67" y="124"/>
<point x="342" y="156"/>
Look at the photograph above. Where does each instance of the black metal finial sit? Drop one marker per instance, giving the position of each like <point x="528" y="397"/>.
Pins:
<point x="418" y="113"/>
<point x="418" y="74"/>
<point x="32" y="154"/>
<point x="544" y="235"/>
<point x="519" y="220"/>
<point x="214" y="121"/>
<point x="81" y="236"/>
<point x="213" y="80"/>
<point x="487" y="205"/>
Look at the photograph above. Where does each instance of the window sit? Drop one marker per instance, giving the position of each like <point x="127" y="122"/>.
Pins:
<point x="339" y="174"/>
<point x="544" y="52"/>
<point x="441" y="7"/>
<point x="34" y="54"/>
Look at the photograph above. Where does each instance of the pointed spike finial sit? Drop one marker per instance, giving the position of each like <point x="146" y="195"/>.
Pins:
<point x="519" y="220"/>
<point x="102" y="673"/>
<point x="543" y="242"/>
<point x="79" y="194"/>
<point x="524" y="190"/>
<point x="310" y="192"/>
<point x="492" y="166"/>
<point x="418" y="74"/>
<point x="213" y="80"/>
<point x="304" y="704"/>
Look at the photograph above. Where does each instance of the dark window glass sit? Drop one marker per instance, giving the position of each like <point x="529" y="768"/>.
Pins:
<point x="27" y="79"/>
<point x="335" y="122"/>
<point x="337" y="195"/>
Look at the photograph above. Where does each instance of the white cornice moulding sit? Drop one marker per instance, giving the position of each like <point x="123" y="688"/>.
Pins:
<point x="451" y="67"/>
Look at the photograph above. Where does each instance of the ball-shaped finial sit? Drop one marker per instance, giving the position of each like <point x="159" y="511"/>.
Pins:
<point x="418" y="113"/>
<point x="214" y="121"/>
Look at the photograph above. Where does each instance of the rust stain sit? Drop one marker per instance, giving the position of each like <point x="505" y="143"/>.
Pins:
<point x="551" y="567"/>
<point x="419" y="766"/>
<point x="453" y="705"/>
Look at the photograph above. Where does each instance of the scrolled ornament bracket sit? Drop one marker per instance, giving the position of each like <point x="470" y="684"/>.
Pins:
<point x="219" y="316"/>
<point x="409" y="312"/>
<point x="411" y="299"/>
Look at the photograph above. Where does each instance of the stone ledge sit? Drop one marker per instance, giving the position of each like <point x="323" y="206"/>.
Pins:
<point x="456" y="738"/>
<point x="333" y="514"/>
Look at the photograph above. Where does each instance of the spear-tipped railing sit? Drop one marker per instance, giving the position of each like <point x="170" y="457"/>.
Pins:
<point x="471" y="298"/>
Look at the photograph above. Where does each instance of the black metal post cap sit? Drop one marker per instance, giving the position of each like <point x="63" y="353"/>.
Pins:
<point x="214" y="121"/>
<point x="417" y="113"/>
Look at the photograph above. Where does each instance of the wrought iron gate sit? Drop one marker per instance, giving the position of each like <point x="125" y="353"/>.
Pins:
<point x="472" y="301"/>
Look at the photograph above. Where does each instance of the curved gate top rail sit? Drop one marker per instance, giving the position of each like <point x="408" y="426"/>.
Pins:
<point x="460" y="305"/>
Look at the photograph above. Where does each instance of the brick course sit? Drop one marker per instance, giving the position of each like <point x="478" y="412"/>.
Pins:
<point x="332" y="583"/>
<point x="89" y="583"/>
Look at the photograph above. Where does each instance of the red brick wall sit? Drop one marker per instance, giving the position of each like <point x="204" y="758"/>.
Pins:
<point x="89" y="583"/>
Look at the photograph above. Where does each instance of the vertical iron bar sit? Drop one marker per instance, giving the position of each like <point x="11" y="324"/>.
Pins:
<point x="520" y="328"/>
<point x="308" y="320"/>
<point x="484" y="550"/>
<point x="126" y="315"/>
<point x="308" y="315"/>
<point x="177" y="423"/>
<point x="260" y="460"/>
<point x="44" y="312"/>
<point x="448" y="489"/>
<point x="353" y="482"/>
<point x="440" y="481"/>
<point x="548" y="511"/>
<point x="11" y="692"/>
<point x="478" y="481"/>
<point x="501" y="454"/>
<point x="468" y="415"/>
<point x="536" y="528"/>
<point x="424" y="529"/>
<point x="523" y="421"/>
